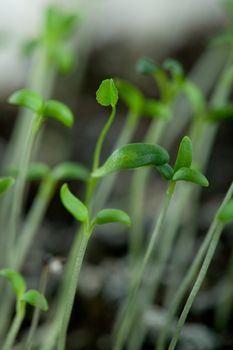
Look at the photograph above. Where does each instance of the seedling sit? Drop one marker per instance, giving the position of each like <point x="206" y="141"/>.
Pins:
<point x="23" y="297"/>
<point x="80" y="212"/>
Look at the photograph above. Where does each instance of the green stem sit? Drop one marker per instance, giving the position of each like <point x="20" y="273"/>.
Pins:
<point x="190" y="275"/>
<point x="14" y="329"/>
<point x="34" y="219"/>
<point x="72" y="290"/>
<point x="126" y="317"/>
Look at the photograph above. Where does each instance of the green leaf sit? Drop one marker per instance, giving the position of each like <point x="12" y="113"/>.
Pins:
<point x="59" y="111"/>
<point x="64" y="57"/>
<point x="37" y="171"/>
<point x="220" y="113"/>
<point x="132" y="97"/>
<point x="195" y="96"/>
<point x="16" y="280"/>
<point x="191" y="175"/>
<point x="184" y="155"/>
<point x="132" y="156"/>
<point x="107" y="94"/>
<point x="146" y="66"/>
<point x="158" y="109"/>
<point x="36" y="299"/>
<point x="5" y="183"/>
<point x="226" y="213"/>
<point x="28" y="99"/>
<point x="107" y="216"/>
<point x="71" y="171"/>
<point x="73" y="205"/>
<point x="166" y="171"/>
<point x="174" y="67"/>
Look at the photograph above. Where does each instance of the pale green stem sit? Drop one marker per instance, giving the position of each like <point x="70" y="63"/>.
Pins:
<point x="190" y="275"/>
<point x="14" y="329"/>
<point x="127" y="313"/>
<point x="36" y="313"/>
<point x="72" y="290"/>
<point x="34" y="219"/>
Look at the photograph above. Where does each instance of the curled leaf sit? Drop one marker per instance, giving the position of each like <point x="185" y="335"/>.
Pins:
<point x="5" y="183"/>
<point x="73" y="205"/>
<point x="166" y="171"/>
<point x="107" y="94"/>
<point x="59" y="111"/>
<point x="71" y="171"/>
<point x="16" y="280"/>
<point x="226" y="213"/>
<point x="184" y="155"/>
<point x="28" y="99"/>
<point x="146" y="66"/>
<point x="36" y="299"/>
<point x="132" y="156"/>
<point x="107" y="216"/>
<point x="190" y="175"/>
<point x="174" y="67"/>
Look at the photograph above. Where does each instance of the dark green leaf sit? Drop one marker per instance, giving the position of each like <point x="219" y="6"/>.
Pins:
<point x="146" y="66"/>
<point x="5" y="183"/>
<point x="226" y="213"/>
<point x="71" y="171"/>
<point x="166" y="171"/>
<point x="16" y="280"/>
<point x="107" y="94"/>
<point x="73" y="205"/>
<point x="191" y="175"/>
<point x="28" y="99"/>
<point x="36" y="299"/>
<point x="59" y="111"/>
<point x="220" y="113"/>
<point x="37" y="171"/>
<point x="158" y="109"/>
<point x="132" y="156"/>
<point x="184" y="155"/>
<point x="132" y="97"/>
<point x="107" y="216"/>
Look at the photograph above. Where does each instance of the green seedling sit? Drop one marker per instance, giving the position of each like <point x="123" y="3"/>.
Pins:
<point x="23" y="297"/>
<point x="183" y="161"/>
<point x="80" y="212"/>
<point x="52" y="109"/>
<point x="5" y="183"/>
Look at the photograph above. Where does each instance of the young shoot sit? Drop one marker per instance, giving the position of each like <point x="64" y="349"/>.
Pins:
<point x="23" y="297"/>
<point x="80" y="212"/>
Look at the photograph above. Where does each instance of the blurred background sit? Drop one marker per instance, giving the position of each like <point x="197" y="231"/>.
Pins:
<point x="112" y="36"/>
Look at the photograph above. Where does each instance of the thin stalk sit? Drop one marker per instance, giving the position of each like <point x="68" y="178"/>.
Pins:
<point x="137" y="193"/>
<point x="125" y="319"/>
<point x="191" y="273"/>
<point x="197" y="284"/>
<point x="14" y="329"/>
<point x="34" y="219"/>
<point x="37" y="312"/>
<point x="72" y="290"/>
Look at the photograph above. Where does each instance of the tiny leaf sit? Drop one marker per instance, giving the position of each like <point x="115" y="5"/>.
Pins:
<point x="146" y="66"/>
<point x="184" y="155"/>
<point x="226" y="213"/>
<point x="5" y="183"/>
<point x="73" y="205"/>
<point x="174" y="67"/>
<point x="64" y="57"/>
<point x="37" y="171"/>
<point x="71" y="171"/>
<point x="166" y="171"/>
<point x="36" y="299"/>
<point x="59" y="111"/>
<point x="28" y="99"/>
<point x="190" y="175"/>
<point x="107" y="216"/>
<point x="132" y="97"/>
<point x="107" y="94"/>
<point x="16" y="280"/>
<point x="132" y="156"/>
